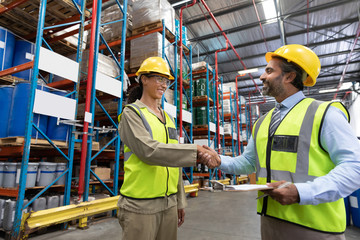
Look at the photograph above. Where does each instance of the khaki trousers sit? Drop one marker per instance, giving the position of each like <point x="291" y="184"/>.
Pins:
<point x="274" y="229"/>
<point x="157" y="226"/>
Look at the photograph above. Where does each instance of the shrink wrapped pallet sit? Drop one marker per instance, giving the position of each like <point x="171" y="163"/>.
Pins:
<point x="200" y="66"/>
<point x="150" y="11"/>
<point x="149" y="46"/>
<point x="106" y="65"/>
<point x="113" y="31"/>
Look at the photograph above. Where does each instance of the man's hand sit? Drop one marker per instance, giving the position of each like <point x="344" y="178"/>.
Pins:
<point x="285" y="196"/>
<point x="209" y="157"/>
<point x="181" y="216"/>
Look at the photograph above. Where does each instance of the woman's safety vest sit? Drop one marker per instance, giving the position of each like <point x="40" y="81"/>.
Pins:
<point x="144" y="181"/>
<point x="295" y="154"/>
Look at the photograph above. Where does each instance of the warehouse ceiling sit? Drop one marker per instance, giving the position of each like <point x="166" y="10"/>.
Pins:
<point x="328" y="27"/>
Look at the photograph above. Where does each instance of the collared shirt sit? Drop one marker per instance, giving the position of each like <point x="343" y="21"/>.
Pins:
<point x="134" y="134"/>
<point x="338" y="139"/>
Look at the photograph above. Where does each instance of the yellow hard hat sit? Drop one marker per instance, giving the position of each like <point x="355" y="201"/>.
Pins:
<point x="304" y="57"/>
<point x="155" y="65"/>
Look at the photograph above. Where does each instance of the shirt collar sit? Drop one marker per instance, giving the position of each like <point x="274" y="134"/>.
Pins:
<point x="140" y="104"/>
<point x="289" y="102"/>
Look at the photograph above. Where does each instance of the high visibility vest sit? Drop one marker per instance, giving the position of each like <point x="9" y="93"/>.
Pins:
<point x="295" y="154"/>
<point x="144" y="181"/>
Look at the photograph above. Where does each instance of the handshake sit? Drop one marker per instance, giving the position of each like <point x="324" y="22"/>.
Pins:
<point x="208" y="156"/>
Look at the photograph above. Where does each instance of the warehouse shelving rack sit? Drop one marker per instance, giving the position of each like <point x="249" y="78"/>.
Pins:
<point x="38" y="64"/>
<point x="47" y="60"/>
<point x="234" y="125"/>
<point x="208" y="102"/>
<point x="240" y="125"/>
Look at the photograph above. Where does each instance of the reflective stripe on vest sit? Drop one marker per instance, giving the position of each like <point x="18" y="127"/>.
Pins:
<point x="309" y="161"/>
<point x="144" y="181"/>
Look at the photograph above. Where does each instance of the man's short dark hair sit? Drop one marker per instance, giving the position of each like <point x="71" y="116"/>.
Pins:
<point x="287" y="67"/>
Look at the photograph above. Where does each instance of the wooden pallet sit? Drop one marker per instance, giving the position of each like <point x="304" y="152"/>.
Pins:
<point x="34" y="141"/>
<point x="147" y="28"/>
<point x="10" y="79"/>
<point x="95" y="146"/>
<point x="200" y="126"/>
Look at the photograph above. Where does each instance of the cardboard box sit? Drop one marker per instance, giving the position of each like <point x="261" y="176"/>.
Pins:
<point x="102" y="172"/>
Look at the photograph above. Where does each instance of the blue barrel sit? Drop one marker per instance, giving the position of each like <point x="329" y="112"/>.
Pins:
<point x="54" y="131"/>
<point x="7" y="45"/>
<point x="6" y="93"/>
<point x="355" y="207"/>
<point x="24" y="51"/>
<point x="348" y="211"/>
<point x="17" y="119"/>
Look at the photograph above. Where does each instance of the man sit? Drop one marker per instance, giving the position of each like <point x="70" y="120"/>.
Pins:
<point x="302" y="141"/>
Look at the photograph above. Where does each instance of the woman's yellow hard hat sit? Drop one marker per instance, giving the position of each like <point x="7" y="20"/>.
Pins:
<point x="304" y="57"/>
<point x="155" y="65"/>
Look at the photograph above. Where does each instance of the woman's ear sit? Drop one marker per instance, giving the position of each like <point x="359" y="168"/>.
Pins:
<point x="143" y="79"/>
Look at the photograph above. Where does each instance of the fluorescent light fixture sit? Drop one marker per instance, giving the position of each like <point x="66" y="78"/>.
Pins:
<point x="344" y="86"/>
<point x="251" y="70"/>
<point x="179" y="3"/>
<point x="269" y="9"/>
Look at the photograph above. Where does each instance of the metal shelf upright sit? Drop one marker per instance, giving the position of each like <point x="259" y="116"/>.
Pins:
<point x="179" y="112"/>
<point x="97" y="81"/>
<point x="219" y="141"/>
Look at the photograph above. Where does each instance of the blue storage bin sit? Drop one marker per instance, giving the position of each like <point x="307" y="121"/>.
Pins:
<point x="54" y="131"/>
<point x="23" y="53"/>
<point x="7" y="46"/>
<point x="355" y="207"/>
<point x="18" y="112"/>
<point x="6" y="93"/>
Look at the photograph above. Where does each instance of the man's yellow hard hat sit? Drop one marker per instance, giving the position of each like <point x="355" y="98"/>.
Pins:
<point x="304" y="57"/>
<point x="155" y="65"/>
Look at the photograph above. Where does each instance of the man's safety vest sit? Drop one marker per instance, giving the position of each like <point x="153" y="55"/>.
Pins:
<point x="295" y="154"/>
<point x="144" y="181"/>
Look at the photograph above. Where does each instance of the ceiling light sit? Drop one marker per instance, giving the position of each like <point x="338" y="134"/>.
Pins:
<point x="179" y="3"/>
<point x="269" y="9"/>
<point x="251" y="70"/>
<point x="344" y="86"/>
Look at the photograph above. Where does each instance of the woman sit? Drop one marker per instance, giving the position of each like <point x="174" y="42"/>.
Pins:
<point x="152" y="197"/>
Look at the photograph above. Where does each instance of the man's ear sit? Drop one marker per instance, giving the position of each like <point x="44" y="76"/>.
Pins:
<point x="290" y="77"/>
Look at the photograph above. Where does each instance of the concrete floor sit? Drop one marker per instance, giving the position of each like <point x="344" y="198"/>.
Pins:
<point x="221" y="215"/>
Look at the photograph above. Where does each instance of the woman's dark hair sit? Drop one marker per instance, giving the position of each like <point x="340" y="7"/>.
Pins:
<point x="288" y="67"/>
<point x="135" y="93"/>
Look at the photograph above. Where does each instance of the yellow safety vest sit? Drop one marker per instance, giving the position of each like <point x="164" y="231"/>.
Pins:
<point x="295" y="154"/>
<point x="144" y="181"/>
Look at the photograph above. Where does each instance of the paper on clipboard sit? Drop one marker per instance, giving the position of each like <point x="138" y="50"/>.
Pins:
<point x="241" y="188"/>
<point x="247" y="187"/>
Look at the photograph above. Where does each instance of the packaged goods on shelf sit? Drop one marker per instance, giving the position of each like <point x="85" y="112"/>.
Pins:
<point x="110" y="106"/>
<point x="200" y="66"/>
<point x="102" y="172"/>
<point x="150" y="11"/>
<point x="106" y="65"/>
<point x="242" y="118"/>
<point x="149" y="46"/>
<point x="227" y="128"/>
<point x="113" y="31"/>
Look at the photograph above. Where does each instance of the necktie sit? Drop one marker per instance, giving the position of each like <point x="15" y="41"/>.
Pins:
<point x="275" y="120"/>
